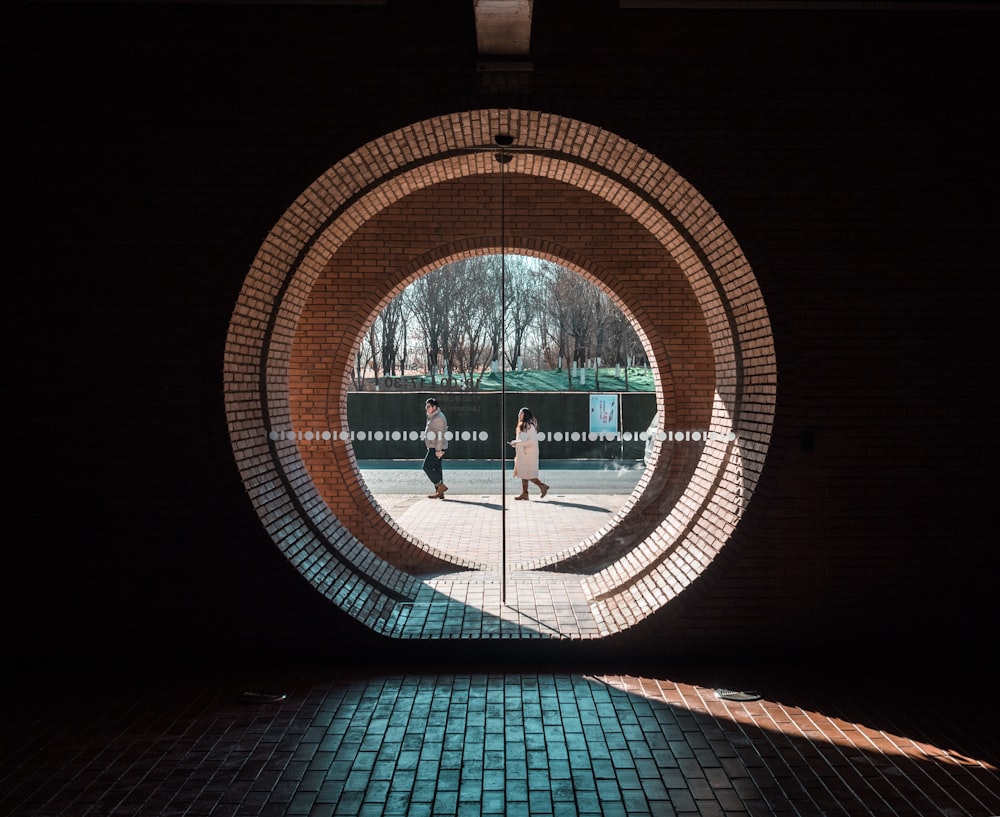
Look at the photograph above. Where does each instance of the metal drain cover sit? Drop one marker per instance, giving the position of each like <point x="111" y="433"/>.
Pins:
<point x="737" y="695"/>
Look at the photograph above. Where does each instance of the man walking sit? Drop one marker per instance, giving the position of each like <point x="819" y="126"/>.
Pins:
<point x="435" y="436"/>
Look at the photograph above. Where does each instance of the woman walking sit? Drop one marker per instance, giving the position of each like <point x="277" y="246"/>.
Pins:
<point x="526" y="453"/>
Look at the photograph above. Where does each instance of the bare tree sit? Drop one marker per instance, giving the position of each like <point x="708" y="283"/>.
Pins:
<point x="521" y="302"/>
<point x="493" y="272"/>
<point x="359" y="369"/>
<point x="581" y="322"/>
<point x="428" y="305"/>
<point x="389" y="329"/>
<point x="604" y="313"/>
<point x="367" y="357"/>
<point x="623" y="344"/>
<point x="566" y="316"/>
<point x="475" y="306"/>
<point x="456" y="315"/>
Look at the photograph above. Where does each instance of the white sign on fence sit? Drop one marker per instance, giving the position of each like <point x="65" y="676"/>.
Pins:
<point x="604" y="414"/>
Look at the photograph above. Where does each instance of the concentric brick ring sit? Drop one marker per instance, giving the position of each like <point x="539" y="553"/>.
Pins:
<point x="692" y="531"/>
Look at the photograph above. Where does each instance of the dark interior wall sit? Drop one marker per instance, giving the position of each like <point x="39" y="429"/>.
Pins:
<point x="151" y="147"/>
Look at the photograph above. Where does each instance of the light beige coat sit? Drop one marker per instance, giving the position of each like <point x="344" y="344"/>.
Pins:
<point x="526" y="454"/>
<point x="436" y="431"/>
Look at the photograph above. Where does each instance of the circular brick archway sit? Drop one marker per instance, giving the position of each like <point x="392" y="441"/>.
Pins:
<point x="437" y="222"/>
<point x="727" y="382"/>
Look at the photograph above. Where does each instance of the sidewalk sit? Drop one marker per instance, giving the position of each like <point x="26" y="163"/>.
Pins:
<point x="473" y="528"/>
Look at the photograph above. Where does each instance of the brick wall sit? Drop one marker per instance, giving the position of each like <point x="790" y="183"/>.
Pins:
<point x="161" y="145"/>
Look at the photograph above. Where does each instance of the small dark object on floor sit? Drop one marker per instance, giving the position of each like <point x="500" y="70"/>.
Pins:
<point x="262" y="697"/>
<point x="737" y="695"/>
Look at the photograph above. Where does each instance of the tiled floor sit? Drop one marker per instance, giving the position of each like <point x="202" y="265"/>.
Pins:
<point x="485" y="743"/>
<point x="448" y="743"/>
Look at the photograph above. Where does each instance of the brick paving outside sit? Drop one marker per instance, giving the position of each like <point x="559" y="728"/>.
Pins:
<point x="472" y="527"/>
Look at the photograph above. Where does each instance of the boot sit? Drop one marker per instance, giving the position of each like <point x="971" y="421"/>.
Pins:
<point x="441" y="488"/>
<point x="542" y="486"/>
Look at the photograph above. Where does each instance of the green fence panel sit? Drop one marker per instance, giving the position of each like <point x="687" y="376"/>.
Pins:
<point x="387" y="425"/>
